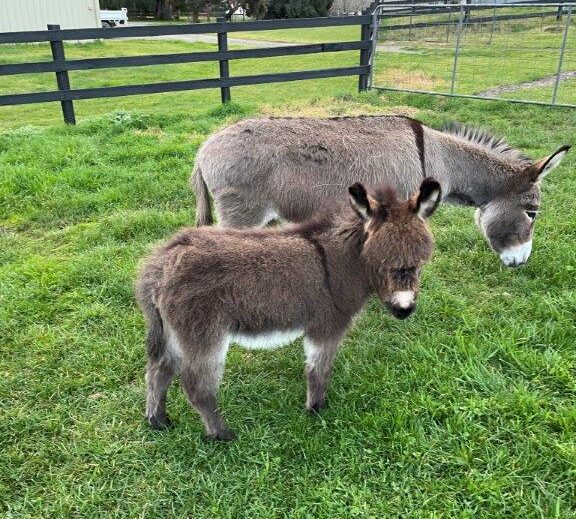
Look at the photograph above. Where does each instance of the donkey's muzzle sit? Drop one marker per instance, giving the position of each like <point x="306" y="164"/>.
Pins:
<point x="402" y="303"/>
<point x="401" y="312"/>
<point x="516" y="256"/>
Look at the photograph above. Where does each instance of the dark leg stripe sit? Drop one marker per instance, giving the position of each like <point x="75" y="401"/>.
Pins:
<point x="418" y="130"/>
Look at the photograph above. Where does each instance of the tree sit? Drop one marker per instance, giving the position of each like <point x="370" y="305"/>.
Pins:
<point x="163" y="10"/>
<point x="256" y="8"/>
<point x="195" y="7"/>
<point x="298" y="8"/>
<point x="231" y="7"/>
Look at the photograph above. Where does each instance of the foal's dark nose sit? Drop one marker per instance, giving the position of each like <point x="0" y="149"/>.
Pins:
<point x="402" y="303"/>
<point x="401" y="312"/>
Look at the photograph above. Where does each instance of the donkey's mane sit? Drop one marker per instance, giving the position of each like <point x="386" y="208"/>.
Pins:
<point x="487" y="141"/>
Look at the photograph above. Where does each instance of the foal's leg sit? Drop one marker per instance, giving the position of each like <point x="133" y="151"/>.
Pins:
<point x="319" y="359"/>
<point x="201" y="375"/>
<point x="159" y="374"/>
<point x="164" y="357"/>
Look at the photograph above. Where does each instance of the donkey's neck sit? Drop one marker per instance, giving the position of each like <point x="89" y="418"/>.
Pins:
<point x="338" y="241"/>
<point x="469" y="175"/>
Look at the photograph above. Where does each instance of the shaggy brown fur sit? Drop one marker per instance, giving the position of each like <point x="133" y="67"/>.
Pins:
<point x="206" y="287"/>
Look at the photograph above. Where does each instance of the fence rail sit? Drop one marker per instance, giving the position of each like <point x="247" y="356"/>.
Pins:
<point x="167" y="30"/>
<point x="60" y="66"/>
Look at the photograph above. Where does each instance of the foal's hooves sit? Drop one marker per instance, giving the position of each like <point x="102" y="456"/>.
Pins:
<point x="316" y="408"/>
<point x="159" y="424"/>
<point x="226" y="435"/>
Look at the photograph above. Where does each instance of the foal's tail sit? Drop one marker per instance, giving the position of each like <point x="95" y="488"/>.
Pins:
<point x="155" y="340"/>
<point x="203" y="210"/>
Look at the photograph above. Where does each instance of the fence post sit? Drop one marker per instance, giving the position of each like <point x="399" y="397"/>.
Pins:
<point x="224" y="68"/>
<point x="373" y="47"/>
<point x="492" y="27"/>
<point x="562" y="50"/>
<point x="367" y="33"/>
<point x="448" y="25"/>
<point x="457" y="49"/>
<point x="62" y="79"/>
<point x="412" y="9"/>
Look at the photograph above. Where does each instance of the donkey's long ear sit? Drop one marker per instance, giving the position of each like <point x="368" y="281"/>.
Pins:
<point x="359" y="200"/>
<point x="428" y="198"/>
<point x="542" y="167"/>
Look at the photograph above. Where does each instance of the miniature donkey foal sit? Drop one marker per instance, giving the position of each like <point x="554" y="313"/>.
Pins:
<point x="207" y="287"/>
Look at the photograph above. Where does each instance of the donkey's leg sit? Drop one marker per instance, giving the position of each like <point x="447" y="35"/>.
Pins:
<point x="159" y="374"/>
<point x="164" y="357"/>
<point x="236" y="208"/>
<point x="319" y="359"/>
<point x="201" y="375"/>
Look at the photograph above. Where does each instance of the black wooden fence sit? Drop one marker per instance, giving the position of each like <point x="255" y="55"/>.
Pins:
<point x="61" y="66"/>
<point x="411" y="8"/>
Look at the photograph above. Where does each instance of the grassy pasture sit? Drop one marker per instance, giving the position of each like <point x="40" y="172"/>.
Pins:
<point x="465" y="410"/>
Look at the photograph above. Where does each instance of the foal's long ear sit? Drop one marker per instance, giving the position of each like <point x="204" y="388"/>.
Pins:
<point x="359" y="200"/>
<point x="428" y="198"/>
<point x="542" y="167"/>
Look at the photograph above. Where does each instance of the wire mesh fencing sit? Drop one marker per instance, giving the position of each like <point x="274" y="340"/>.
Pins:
<point x="518" y="52"/>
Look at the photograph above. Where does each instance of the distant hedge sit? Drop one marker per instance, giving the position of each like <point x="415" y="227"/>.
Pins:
<point x="298" y="8"/>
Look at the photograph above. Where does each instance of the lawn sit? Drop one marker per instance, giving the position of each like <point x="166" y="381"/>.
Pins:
<point x="319" y="35"/>
<point x="467" y="409"/>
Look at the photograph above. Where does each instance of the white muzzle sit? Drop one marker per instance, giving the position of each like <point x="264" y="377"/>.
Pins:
<point x="516" y="256"/>
<point x="403" y="299"/>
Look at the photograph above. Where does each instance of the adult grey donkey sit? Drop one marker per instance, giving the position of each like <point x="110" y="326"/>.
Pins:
<point x="261" y="169"/>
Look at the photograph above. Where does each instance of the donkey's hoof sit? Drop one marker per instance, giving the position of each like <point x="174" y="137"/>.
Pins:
<point x="224" y="435"/>
<point x="159" y="423"/>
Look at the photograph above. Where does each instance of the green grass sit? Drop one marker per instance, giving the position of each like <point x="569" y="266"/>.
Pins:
<point x="319" y="35"/>
<point x="465" y="410"/>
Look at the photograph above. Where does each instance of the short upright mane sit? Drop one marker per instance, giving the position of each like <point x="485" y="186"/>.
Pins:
<point x="486" y="140"/>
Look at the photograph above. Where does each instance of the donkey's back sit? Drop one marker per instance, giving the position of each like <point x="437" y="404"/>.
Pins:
<point x="289" y="168"/>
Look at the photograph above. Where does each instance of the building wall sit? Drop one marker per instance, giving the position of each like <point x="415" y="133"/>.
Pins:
<point x="33" y="15"/>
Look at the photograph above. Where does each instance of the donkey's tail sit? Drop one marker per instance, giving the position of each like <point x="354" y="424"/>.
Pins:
<point x="155" y="340"/>
<point x="203" y="210"/>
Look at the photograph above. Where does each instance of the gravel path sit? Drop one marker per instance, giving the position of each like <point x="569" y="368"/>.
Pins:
<point x="208" y="38"/>
<point x="542" y="82"/>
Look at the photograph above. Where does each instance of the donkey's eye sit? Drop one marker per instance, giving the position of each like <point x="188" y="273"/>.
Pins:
<point x="531" y="214"/>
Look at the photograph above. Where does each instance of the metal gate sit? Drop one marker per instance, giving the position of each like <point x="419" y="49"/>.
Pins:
<point x="516" y="52"/>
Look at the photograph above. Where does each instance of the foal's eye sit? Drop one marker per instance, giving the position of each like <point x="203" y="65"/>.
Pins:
<point x="531" y="214"/>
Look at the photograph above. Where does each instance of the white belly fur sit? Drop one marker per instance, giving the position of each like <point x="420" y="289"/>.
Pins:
<point x="266" y="341"/>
